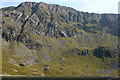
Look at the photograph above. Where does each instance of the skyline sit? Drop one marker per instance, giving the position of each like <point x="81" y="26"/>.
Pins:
<point x="91" y="6"/>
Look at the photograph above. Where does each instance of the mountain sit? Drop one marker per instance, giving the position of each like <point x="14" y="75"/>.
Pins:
<point x="36" y="36"/>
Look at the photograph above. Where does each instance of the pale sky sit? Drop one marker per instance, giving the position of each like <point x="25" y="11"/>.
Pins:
<point x="92" y="6"/>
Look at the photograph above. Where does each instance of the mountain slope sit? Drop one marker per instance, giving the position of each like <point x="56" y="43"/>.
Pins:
<point x="38" y="35"/>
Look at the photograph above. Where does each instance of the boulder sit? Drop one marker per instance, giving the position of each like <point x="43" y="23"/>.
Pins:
<point x="46" y="68"/>
<point x="22" y="64"/>
<point x="61" y="68"/>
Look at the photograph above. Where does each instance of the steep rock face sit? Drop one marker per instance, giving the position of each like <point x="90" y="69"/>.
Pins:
<point x="59" y="21"/>
<point x="12" y="22"/>
<point x="102" y="52"/>
<point x="81" y="52"/>
<point x="29" y="18"/>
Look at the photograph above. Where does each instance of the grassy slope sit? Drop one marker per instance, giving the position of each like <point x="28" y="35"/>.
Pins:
<point x="73" y="65"/>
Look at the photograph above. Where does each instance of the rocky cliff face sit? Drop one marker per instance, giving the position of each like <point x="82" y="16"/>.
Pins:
<point x="59" y="21"/>
<point x="54" y="21"/>
<point x="52" y="31"/>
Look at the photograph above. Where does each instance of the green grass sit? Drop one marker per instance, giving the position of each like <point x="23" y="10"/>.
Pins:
<point x="73" y="65"/>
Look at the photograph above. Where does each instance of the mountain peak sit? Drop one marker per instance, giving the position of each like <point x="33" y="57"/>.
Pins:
<point x="29" y="4"/>
<point x="42" y="3"/>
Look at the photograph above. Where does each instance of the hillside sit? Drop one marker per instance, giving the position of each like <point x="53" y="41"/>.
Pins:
<point x="40" y="39"/>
